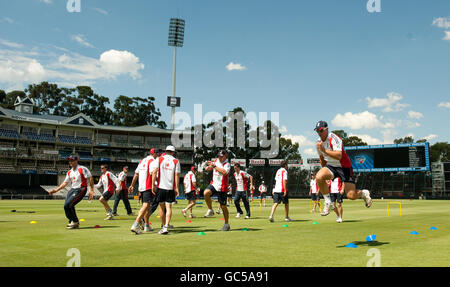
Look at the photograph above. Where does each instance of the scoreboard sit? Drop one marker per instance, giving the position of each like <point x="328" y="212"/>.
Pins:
<point x="390" y="157"/>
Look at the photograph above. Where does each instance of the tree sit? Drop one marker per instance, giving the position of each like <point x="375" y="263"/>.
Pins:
<point x="408" y="139"/>
<point x="440" y="151"/>
<point x="10" y="98"/>
<point x="2" y="96"/>
<point x="94" y="106"/>
<point x="136" y="111"/>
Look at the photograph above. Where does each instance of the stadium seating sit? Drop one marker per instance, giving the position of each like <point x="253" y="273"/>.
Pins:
<point x="13" y="134"/>
<point x="42" y="137"/>
<point x="74" y="140"/>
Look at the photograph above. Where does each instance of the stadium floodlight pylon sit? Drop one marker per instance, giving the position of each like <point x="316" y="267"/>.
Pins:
<point x="176" y="39"/>
<point x="394" y="202"/>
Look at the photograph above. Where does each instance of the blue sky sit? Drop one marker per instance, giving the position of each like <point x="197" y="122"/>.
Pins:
<point x="380" y="76"/>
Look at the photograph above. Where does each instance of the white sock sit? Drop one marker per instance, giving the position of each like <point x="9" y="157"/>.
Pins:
<point x="327" y="198"/>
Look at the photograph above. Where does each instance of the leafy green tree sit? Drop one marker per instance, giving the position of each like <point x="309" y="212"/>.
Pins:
<point x="9" y="98"/>
<point x="2" y="96"/>
<point x="408" y="139"/>
<point x="136" y="111"/>
<point x="440" y="151"/>
<point x="349" y="141"/>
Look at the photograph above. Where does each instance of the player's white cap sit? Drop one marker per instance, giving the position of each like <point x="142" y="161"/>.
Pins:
<point x="170" y="148"/>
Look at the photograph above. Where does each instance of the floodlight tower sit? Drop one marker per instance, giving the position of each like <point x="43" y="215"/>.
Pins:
<point x="176" y="38"/>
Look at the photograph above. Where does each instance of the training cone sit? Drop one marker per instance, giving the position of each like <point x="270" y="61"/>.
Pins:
<point x="414" y="232"/>
<point x="82" y="220"/>
<point x="351" y="245"/>
<point x="285" y="225"/>
<point x="244" y="229"/>
<point x="433" y="228"/>
<point x="222" y="219"/>
<point x="97" y="226"/>
<point x="201" y="233"/>
<point x="33" y="222"/>
<point x="315" y="222"/>
<point x="371" y="238"/>
<point x="188" y="221"/>
<point x="157" y="216"/>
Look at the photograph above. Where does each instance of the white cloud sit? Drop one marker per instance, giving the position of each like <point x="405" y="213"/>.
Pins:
<point x="300" y="139"/>
<point x="101" y="11"/>
<point x="283" y="129"/>
<point x="415" y="115"/>
<point x="7" y="20"/>
<point x="446" y="36"/>
<point x="81" y="39"/>
<point x="368" y="139"/>
<point x="364" y="120"/>
<point x="10" y="44"/>
<point x="121" y="62"/>
<point x="389" y="104"/>
<point x="47" y="1"/>
<point x="310" y="152"/>
<point x="430" y="137"/>
<point x="235" y="66"/>
<point x="441" y="22"/>
<point x="444" y="105"/>
<point x="22" y="70"/>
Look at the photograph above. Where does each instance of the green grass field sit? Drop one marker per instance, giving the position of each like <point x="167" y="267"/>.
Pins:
<point x="302" y="243"/>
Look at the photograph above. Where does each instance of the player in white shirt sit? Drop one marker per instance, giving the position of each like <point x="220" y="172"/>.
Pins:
<point x="143" y="175"/>
<point x="314" y="193"/>
<point x="280" y="192"/>
<point x="78" y="177"/>
<point x="167" y="177"/>
<point x="241" y="178"/>
<point x="190" y="191"/>
<point x="263" y="192"/>
<point x="335" y="163"/>
<point x="336" y="196"/>
<point x="219" y="186"/>
<point x="110" y="184"/>
<point x="122" y="193"/>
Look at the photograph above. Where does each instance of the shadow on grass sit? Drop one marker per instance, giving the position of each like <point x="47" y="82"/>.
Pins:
<point x="92" y="227"/>
<point x="87" y="210"/>
<point x="366" y="243"/>
<point x="350" y="221"/>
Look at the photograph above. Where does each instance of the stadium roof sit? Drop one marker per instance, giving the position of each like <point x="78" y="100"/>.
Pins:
<point x="80" y="120"/>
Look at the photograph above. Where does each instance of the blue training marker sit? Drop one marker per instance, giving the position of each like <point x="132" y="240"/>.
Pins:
<point x="433" y="228"/>
<point x="351" y="245"/>
<point x="414" y="232"/>
<point x="371" y="237"/>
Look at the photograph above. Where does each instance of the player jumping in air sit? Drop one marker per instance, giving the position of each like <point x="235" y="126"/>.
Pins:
<point x="335" y="163"/>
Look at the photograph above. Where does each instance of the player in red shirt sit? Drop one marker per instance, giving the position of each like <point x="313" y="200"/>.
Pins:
<point x="190" y="191"/>
<point x="110" y="184"/>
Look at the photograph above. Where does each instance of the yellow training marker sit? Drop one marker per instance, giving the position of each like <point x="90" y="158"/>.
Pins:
<point x="394" y="202"/>
<point x="82" y="219"/>
<point x="33" y="222"/>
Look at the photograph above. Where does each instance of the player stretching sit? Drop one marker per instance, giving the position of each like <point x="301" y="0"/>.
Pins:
<point x="335" y="163"/>
<point x="109" y="182"/>
<point x="241" y="190"/>
<point x="167" y="176"/>
<point x="263" y="192"/>
<point x="219" y="186"/>
<point x="280" y="192"/>
<point x="190" y="188"/>
<point x="314" y="193"/>
<point x="122" y="193"/>
<point x="143" y="173"/>
<point x="78" y="176"/>
<point x="336" y="196"/>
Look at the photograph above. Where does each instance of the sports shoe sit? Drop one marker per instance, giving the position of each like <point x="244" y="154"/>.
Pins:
<point x="70" y="224"/>
<point x="288" y="219"/>
<point x="148" y="228"/>
<point x="367" y="198"/>
<point x="183" y="212"/>
<point x="313" y="210"/>
<point x="191" y="216"/>
<point x="109" y="217"/>
<point x="238" y="215"/>
<point x="339" y="220"/>
<point x="136" y="230"/>
<point x="271" y="219"/>
<point x="226" y="227"/>
<point x="169" y="227"/>
<point x="209" y="213"/>
<point x="73" y="225"/>
<point x="163" y="231"/>
<point x="326" y="210"/>
<point x="218" y="211"/>
<point x="247" y="217"/>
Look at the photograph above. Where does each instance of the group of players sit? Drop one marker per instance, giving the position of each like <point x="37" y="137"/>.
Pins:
<point x="158" y="183"/>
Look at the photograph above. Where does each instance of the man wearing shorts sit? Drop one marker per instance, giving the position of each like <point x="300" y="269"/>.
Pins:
<point x="263" y="192"/>
<point x="167" y="177"/>
<point x="335" y="163"/>
<point x="242" y="178"/>
<point x="122" y="194"/>
<point x="190" y="190"/>
<point x="219" y="185"/>
<point x="336" y="196"/>
<point x="143" y="173"/>
<point x="78" y="177"/>
<point x="110" y="185"/>
<point x="280" y="192"/>
<point x="314" y="193"/>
